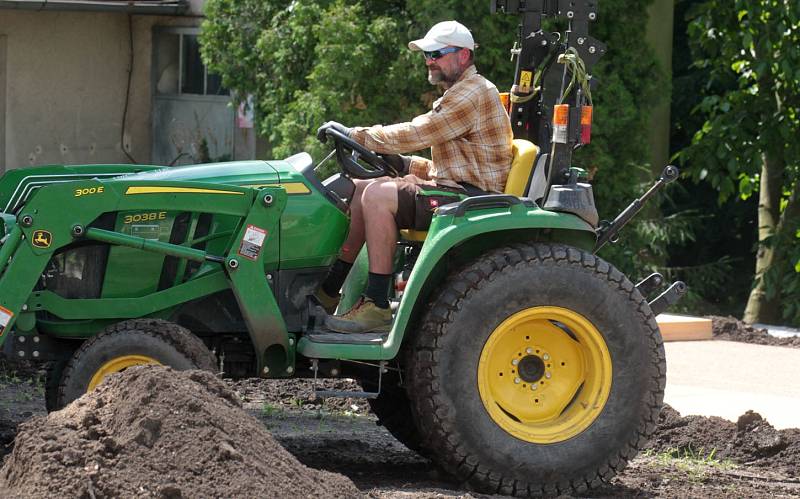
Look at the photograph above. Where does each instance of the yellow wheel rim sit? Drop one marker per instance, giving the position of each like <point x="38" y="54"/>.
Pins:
<point x="118" y="364"/>
<point x="544" y="374"/>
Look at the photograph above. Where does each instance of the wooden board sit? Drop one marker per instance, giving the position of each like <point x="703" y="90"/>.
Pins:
<point x="684" y="328"/>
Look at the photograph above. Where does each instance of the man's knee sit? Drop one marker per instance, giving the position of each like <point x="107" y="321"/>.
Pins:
<point x="380" y="194"/>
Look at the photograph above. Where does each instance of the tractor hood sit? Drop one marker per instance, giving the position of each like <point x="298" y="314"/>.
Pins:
<point x="16" y="186"/>
<point x="243" y="173"/>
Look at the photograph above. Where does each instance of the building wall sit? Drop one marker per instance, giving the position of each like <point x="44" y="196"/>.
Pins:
<point x="66" y="76"/>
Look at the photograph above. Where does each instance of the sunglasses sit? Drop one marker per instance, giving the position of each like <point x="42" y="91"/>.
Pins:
<point x="436" y="54"/>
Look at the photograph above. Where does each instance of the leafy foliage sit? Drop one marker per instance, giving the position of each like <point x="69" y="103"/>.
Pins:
<point x="747" y="144"/>
<point x="310" y="61"/>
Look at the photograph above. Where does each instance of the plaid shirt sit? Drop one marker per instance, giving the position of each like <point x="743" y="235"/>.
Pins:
<point x="468" y="131"/>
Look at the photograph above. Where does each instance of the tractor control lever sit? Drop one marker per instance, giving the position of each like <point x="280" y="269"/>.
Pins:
<point x="610" y="231"/>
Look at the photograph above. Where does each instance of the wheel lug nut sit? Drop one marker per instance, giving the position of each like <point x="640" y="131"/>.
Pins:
<point x="517" y="380"/>
<point x="534" y="387"/>
<point x="548" y="375"/>
<point x="529" y="350"/>
<point x="514" y="362"/>
<point x="546" y="356"/>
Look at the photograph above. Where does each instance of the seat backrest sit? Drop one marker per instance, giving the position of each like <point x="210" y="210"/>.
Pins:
<point x="524" y="154"/>
<point x="522" y="163"/>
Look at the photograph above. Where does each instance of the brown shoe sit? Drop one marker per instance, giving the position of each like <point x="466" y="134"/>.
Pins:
<point x="328" y="302"/>
<point x="364" y="317"/>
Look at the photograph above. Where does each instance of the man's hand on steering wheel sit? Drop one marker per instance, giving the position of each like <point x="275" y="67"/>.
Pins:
<point x="399" y="162"/>
<point x="334" y="125"/>
<point x="350" y="154"/>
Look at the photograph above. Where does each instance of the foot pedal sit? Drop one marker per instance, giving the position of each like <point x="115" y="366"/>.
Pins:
<point x="323" y="394"/>
<point x="316" y="313"/>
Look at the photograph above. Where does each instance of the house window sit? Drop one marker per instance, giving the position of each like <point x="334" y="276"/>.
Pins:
<point x="179" y="69"/>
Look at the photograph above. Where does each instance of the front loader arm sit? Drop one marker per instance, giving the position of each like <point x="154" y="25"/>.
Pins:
<point x="61" y="214"/>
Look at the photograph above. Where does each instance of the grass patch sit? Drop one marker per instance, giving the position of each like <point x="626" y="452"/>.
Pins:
<point x="271" y="411"/>
<point x="696" y="463"/>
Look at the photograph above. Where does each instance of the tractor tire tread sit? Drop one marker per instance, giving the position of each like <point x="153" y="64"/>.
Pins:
<point x="180" y="338"/>
<point x="431" y="409"/>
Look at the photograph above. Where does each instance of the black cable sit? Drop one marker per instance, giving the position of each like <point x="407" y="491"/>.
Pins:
<point x="128" y="91"/>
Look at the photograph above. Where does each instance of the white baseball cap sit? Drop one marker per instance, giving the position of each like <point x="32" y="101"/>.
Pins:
<point x="443" y="34"/>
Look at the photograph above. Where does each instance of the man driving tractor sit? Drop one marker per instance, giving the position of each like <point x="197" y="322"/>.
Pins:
<point x="470" y="136"/>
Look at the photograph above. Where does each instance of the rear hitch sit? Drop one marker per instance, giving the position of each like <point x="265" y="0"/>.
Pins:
<point x="650" y="283"/>
<point x="668" y="297"/>
<point x="609" y="231"/>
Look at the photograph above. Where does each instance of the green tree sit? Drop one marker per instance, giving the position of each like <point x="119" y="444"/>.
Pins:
<point x="747" y="145"/>
<point x="310" y="61"/>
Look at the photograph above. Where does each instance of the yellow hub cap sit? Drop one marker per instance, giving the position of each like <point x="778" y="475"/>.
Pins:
<point x="118" y="364"/>
<point x="544" y="374"/>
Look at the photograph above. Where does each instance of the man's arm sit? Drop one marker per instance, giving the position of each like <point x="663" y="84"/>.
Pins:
<point x="454" y="116"/>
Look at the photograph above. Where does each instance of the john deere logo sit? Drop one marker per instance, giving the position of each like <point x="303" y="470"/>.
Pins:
<point x="42" y="238"/>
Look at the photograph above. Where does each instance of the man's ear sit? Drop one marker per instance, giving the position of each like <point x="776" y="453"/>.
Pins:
<point x="463" y="57"/>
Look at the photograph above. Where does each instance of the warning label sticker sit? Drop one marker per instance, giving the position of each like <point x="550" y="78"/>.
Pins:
<point x="252" y="242"/>
<point x="5" y="318"/>
<point x="525" y="78"/>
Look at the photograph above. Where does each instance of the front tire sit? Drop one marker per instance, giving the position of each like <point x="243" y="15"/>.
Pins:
<point x="539" y="369"/>
<point x="126" y="344"/>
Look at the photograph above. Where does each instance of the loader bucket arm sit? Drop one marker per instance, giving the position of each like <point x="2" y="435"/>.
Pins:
<point x="60" y="214"/>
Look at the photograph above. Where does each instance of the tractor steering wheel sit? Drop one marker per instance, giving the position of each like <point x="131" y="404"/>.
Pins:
<point x="349" y="152"/>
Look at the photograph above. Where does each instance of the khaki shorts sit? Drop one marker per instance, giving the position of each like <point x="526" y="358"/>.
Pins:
<point x="417" y="199"/>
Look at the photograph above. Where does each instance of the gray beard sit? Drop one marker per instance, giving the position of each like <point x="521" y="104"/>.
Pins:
<point x="440" y="78"/>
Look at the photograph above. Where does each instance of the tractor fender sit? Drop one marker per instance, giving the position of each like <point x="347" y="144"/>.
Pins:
<point x="453" y="228"/>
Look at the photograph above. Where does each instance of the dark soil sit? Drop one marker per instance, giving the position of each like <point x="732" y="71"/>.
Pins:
<point x="164" y="436"/>
<point x="155" y="432"/>
<point x="731" y="329"/>
<point x="750" y="441"/>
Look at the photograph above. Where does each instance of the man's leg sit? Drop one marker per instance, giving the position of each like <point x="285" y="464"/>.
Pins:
<point x="328" y="294"/>
<point x="355" y="238"/>
<point x="380" y="225"/>
<point x="372" y="313"/>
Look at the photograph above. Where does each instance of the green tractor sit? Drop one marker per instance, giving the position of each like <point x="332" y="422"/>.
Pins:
<point x="518" y="361"/>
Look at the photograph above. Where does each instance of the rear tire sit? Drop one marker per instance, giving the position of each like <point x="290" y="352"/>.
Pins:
<point x="550" y="317"/>
<point x="126" y="344"/>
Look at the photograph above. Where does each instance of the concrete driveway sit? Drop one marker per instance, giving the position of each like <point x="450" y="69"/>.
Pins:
<point x="726" y="378"/>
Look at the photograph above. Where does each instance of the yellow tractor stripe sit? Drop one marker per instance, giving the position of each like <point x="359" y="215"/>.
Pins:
<point x="290" y="187"/>
<point x="177" y="190"/>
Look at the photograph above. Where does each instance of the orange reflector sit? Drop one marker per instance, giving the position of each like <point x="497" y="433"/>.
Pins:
<point x="561" y="115"/>
<point x="560" y="123"/>
<point x="505" y="100"/>
<point x="586" y="115"/>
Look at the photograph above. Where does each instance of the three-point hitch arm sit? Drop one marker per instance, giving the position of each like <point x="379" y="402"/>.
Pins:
<point x="551" y="103"/>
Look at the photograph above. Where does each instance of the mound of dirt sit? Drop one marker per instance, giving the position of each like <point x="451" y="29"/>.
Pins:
<point x="155" y="432"/>
<point x="751" y="440"/>
<point x="731" y="329"/>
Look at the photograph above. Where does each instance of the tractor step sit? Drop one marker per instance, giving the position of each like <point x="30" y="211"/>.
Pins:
<point x="324" y="336"/>
<point x="323" y="394"/>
